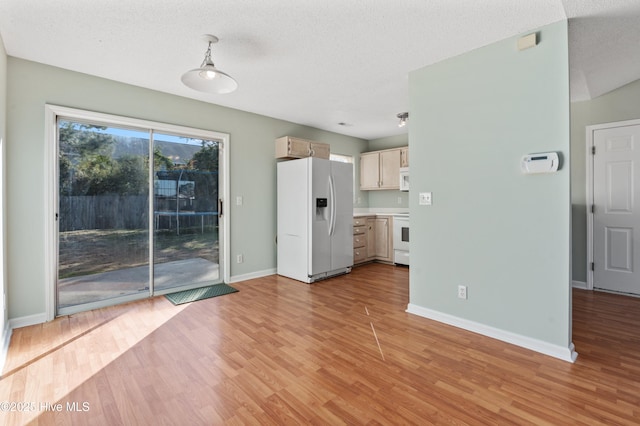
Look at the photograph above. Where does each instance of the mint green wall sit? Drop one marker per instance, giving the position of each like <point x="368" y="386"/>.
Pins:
<point x="503" y="234"/>
<point x="618" y="105"/>
<point x="395" y="141"/>
<point x="3" y="126"/>
<point x="388" y="198"/>
<point x="252" y="168"/>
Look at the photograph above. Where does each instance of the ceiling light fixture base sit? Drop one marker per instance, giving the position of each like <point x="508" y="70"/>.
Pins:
<point x="209" y="38"/>
<point x="403" y="116"/>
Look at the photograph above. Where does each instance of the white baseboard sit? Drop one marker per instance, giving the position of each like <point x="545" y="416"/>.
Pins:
<point x="28" y="320"/>
<point x="252" y="275"/>
<point x="566" y="354"/>
<point x="4" y="349"/>
<point x="579" y="284"/>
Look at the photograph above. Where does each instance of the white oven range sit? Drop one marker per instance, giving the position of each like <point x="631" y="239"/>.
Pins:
<point x="401" y="239"/>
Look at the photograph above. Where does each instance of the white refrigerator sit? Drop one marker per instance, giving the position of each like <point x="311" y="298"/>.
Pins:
<point x="315" y="218"/>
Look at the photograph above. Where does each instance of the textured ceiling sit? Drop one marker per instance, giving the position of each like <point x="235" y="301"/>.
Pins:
<point x="312" y="62"/>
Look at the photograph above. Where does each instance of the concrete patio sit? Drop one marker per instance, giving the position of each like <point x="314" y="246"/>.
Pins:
<point x="105" y="285"/>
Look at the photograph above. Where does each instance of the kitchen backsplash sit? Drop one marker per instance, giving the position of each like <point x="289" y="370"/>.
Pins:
<point x="388" y="199"/>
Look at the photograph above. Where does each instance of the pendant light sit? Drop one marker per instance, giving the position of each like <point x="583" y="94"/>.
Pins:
<point x="208" y="78"/>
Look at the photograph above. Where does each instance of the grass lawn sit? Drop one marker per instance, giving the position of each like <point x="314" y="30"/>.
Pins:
<point x="93" y="251"/>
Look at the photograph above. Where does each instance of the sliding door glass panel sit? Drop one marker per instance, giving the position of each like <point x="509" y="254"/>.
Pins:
<point x="185" y="213"/>
<point x="103" y="219"/>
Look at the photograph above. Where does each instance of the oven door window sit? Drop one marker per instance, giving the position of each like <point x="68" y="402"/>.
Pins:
<point x="405" y="233"/>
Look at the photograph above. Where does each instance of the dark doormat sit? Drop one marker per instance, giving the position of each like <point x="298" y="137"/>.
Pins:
<point x="199" y="293"/>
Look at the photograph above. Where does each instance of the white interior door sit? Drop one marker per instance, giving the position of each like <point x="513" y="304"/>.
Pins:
<point x="616" y="218"/>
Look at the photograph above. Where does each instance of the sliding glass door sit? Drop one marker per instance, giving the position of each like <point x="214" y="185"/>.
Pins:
<point x="103" y="239"/>
<point x="137" y="213"/>
<point x="185" y="212"/>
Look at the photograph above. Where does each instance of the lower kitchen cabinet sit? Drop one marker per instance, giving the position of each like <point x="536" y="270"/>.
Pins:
<point x="384" y="238"/>
<point x="359" y="240"/>
<point x="372" y="239"/>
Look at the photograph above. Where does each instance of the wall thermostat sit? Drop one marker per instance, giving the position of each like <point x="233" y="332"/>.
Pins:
<point x="544" y="162"/>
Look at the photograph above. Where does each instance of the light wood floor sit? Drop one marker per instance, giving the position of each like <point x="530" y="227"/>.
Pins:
<point x="284" y="352"/>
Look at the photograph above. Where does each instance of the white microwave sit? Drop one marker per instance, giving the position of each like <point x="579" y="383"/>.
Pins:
<point x="404" y="179"/>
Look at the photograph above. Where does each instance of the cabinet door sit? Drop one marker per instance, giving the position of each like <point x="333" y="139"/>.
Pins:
<point x="369" y="166"/>
<point x="371" y="238"/>
<point x="390" y="169"/>
<point x="404" y="157"/>
<point x="382" y="238"/>
<point x="320" y="150"/>
<point x="359" y="255"/>
<point x="299" y="148"/>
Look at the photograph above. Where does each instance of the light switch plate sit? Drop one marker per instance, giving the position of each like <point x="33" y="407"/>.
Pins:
<point x="424" y="198"/>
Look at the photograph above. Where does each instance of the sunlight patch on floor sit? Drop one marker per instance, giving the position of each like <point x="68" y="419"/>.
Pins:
<point x="36" y="372"/>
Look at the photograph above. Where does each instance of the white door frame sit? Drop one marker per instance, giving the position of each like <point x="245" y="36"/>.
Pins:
<point x="51" y="190"/>
<point x="589" y="159"/>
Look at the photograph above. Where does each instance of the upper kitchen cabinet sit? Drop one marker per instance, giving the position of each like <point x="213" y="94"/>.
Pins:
<point x="381" y="169"/>
<point x="289" y="147"/>
<point x="404" y="156"/>
<point x="369" y="170"/>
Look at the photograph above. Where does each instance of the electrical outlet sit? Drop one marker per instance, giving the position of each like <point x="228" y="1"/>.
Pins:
<point x="239" y="200"/>
<point x="240" y="258"/>
<point x="399" y="200"/>
<point x="462" y="292"/>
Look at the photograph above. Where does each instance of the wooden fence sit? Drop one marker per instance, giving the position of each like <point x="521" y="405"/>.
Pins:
<point x="103" y="212"/>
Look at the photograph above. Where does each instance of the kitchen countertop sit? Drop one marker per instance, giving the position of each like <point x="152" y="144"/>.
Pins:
<point x="380" y="212"/>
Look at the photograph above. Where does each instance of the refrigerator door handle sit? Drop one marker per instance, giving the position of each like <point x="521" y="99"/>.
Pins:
<point x="332" y="195"/>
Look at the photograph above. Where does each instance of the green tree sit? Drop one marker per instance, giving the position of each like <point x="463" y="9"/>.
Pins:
<point x="207" y="158"/>
<point x="85" y="161"/>
<point x="130" y="176"/>
<point x="66" y="171"/>
<point x="204" y="165"/>
<point x="161" y="161"/>
<point x="79" y="140"/>
<point x="94" y="175"/>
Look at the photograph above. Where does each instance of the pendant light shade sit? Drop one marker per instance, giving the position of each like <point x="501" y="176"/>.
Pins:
<point x="208" y="78"/>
